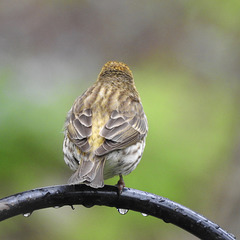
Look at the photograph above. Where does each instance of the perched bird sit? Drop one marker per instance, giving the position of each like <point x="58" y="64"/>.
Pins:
<point x="106" y="129"/>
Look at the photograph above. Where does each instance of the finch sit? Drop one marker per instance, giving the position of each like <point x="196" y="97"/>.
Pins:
<point x="106" y="128"/>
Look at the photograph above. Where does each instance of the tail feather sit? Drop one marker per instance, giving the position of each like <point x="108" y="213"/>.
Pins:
<point x="90" y="173"/>
<point x="86" y="167"/>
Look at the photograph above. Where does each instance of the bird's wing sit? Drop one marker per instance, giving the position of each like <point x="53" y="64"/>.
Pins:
<point x="80" y="128"/>
<point x="126" y="126"/>
<point x="79" y="123"/>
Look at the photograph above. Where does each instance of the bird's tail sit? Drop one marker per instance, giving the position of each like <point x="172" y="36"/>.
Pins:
<point x="90" y="173"/>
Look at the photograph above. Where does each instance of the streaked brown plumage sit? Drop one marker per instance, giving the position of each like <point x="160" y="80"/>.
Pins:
<point x="106" y="128"/>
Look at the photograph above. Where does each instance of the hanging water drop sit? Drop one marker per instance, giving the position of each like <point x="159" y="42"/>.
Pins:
<point x="144" y="214"/>
<point x="88" y="204"/>
<point x="232" y="235"/>
<point x="27" y="214"/>
<point x="122" y="211"/>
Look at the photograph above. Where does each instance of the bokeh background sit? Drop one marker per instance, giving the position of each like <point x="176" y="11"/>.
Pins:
<point x="185" y="59"/>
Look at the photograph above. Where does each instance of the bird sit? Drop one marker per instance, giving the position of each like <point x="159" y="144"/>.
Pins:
<point x="105" y="130"/>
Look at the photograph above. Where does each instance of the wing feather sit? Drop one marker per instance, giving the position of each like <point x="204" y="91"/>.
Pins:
<point x="124" y="128"/>
<point x="80" y="127"/>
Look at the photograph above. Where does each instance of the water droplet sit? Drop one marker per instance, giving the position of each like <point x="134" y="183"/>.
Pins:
<point x="232" y="235"/>
<point x="88" y="205"/>
<point x="144" y="214"/>
<point x="166" y="220"/>
<point x="46" y="194"/>
<point x="217" y="226"/>
<point x="205" y="219"/>
<point x="122" y="211"/>
<point x="56" y="207"/>
<point x="199" y="221"/>
<point x="27" y="214"/>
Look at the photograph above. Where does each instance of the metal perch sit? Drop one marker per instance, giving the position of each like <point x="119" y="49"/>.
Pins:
<point x="130" y="199"/>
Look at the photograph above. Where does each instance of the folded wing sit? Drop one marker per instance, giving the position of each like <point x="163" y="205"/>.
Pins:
<point x="126" y="126"/>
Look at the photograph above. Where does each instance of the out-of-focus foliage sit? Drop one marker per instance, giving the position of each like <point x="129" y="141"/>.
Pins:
<point x="183" y="56"/>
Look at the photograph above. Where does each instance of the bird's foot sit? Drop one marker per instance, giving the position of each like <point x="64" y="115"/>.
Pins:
<point x="120" y="185"/>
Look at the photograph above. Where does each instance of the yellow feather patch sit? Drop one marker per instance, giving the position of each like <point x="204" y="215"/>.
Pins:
<point x="98" y="121"/>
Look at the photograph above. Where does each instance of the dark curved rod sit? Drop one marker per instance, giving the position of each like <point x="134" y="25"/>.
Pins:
<point x="132" y="199"/>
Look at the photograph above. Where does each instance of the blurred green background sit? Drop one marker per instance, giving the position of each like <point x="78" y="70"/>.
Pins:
<point x="185" y="59"/>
